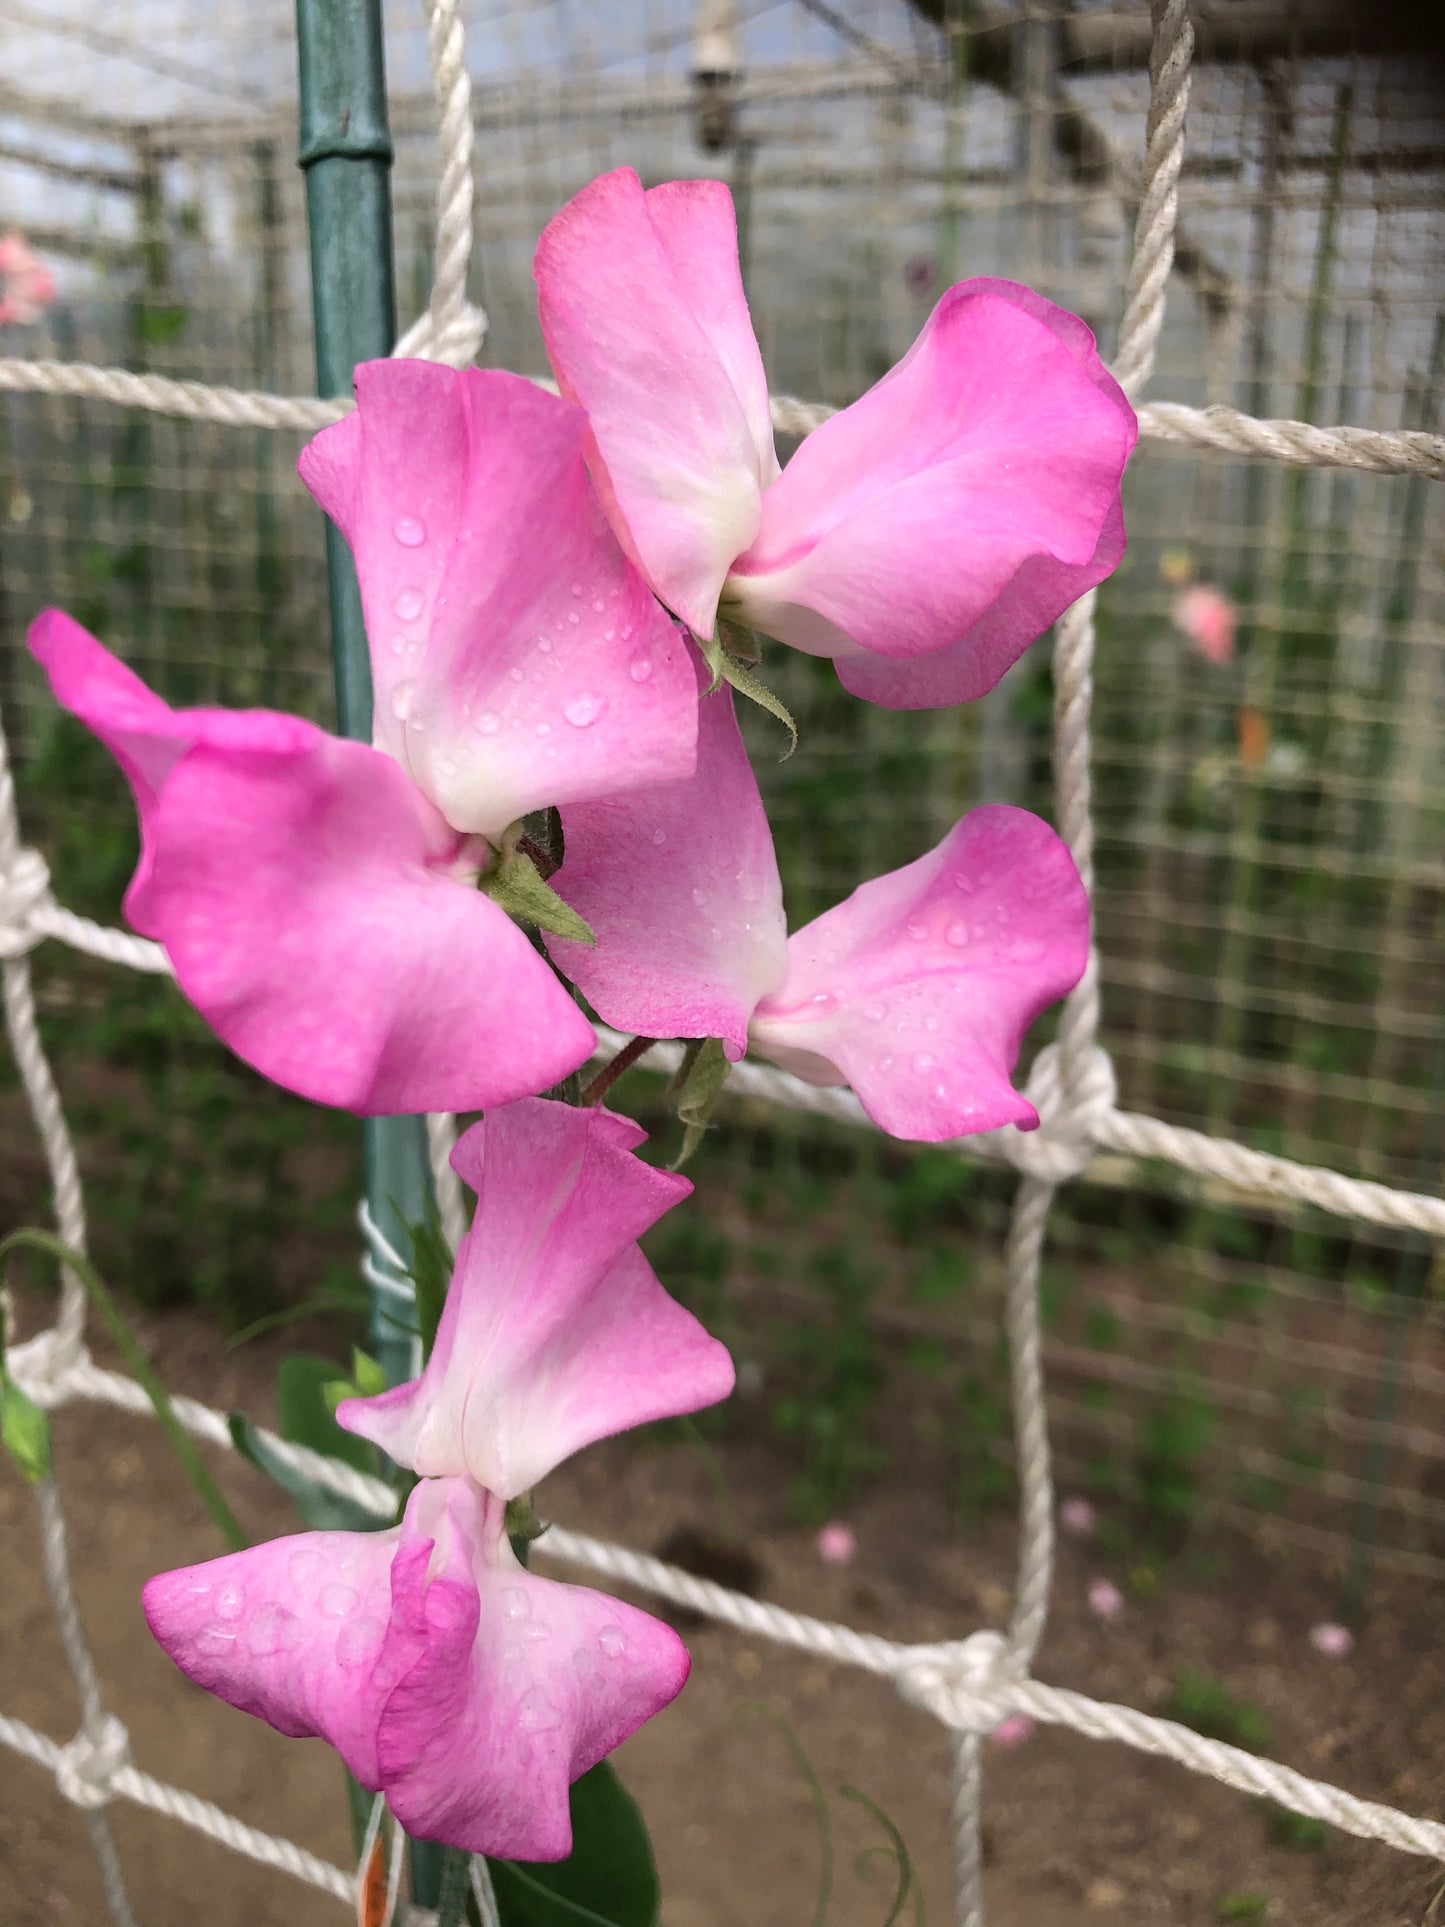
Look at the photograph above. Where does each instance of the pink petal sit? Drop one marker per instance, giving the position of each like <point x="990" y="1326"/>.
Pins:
<point x="1078" y="1518"/>
<point x="1013" y="1731"/>
<point x="291" y="1632"/>
<point x="1207" y="616"/>
<point x="556" y="1331"/>
<point x="1105" y="1599"/>
<point x="1335" y="1642"/>
<point x="517" y="657"/>
<point x="519" y="1684"/>
<point x="646" y="324"/>
<point x="960" y="506"/>
<point x="918" y="989"/>
<point x="679" y="885"/>
<point x="324" y="920"/>
<point x="837" y="1544"/>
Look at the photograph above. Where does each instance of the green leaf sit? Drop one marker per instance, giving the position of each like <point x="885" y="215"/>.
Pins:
<point x="431" y="1273"/>
<point x="25" y="1431"/>
<point x="319" y="1507"/>
<point x="369" y="1378"/>
<point x="609" y="1875"/>
<point x="304" y="1414"/>
<point x="698" y="1085"/>
<point x="727" y="668"/>
<point x="515" y="885"/>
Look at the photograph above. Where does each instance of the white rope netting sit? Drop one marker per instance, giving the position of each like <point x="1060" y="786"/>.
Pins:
<point x="970" y="1684"/>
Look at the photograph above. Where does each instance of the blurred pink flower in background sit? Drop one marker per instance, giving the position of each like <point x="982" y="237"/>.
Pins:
<point x="27" y="286"/>
<point x="1105" y="1599"/>
<point x="837" y="1544"/>
<point x="1207" y="616"/>
<point x="1335" y="1642"/>
<point x="1078" y="1518"/>
<point x="1013" y="1731"/>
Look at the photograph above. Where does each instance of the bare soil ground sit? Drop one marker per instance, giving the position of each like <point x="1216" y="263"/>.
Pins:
<point x="1076" y="1831"/>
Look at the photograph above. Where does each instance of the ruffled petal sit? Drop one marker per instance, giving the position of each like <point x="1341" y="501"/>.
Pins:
<point x="960" y="505"/>
<point x="679" y="885"/>
<point x="291" y="1631"/>
<point x="324" y="921"/>
<point x="918" y="989"/>
<point x="556" y="1331"/>
<point x="517" y="1685"/>
<point x="518" y="658"/>
<point x="646" y="324"/>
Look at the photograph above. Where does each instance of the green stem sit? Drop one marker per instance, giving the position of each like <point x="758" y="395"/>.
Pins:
<point x="135" y="1358"/>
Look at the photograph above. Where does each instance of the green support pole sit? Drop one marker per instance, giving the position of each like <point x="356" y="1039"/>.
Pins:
<point x="345" y="149"/>
<point x="346" y="153"/>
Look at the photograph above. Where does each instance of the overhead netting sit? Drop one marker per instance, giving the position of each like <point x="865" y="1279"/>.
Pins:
<point x="1361" y="816"/>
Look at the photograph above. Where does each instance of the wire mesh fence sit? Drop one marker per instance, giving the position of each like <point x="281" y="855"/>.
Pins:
<point x="1270" y="885"/>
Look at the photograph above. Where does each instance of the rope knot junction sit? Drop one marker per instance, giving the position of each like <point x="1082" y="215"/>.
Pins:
<point x="86" y="1769"/>
<point x="965" y="1684"/>
<point x="1071" y="1115"/>
<point x="43" y="1366"/>
<point x="24" y="887"/>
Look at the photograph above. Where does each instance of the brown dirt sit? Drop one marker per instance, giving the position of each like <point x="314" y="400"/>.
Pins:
<point x="1076" y="1832"/>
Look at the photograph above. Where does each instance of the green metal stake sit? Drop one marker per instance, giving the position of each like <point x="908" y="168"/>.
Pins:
<point x="346" y="153"/>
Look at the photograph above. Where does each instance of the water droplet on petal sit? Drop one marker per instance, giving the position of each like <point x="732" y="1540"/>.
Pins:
<point x="957" y="933"/>
<point x="305" y="1568"/>
<point x="544" y="643"/>
<point x="640" y="668"/>
<point x="515" y="1603"/>
<point x="699" y="896"/>
<point x="930" y="1022"/>
<point x="217" y="1639"/>
<point x="821" y="997"/>
<point x="401" y="700"/>
<point x="626" y="630"/>
<point x="409" y="530"/>
<point x="875" y="1013"/>
<point x="923" y="1060"/>
<point x="409" y="604"/>
<point x="272" y="1630"/>
<point x="516" y="672"/>
<point x="582" y="711"/>
<point x="598" y="604"/>
<point x="659" y="836"/>
<point x="612" y="1641"/>
<point x="940" y="1090"/>
<point x="488" y="723"/>
<point x="576" y="588"/>
<point x="449" y="768"/>
<point x="398" y="645"/>
<point x="357" y="1642"/>
<point x="544" y="729"/>
<point x="230" y="1601"/>
<point x="572" y="616"/>
<point x="336" y="1602"/>
<point x="916" y="929"/>
<point x="537" y="1714"/>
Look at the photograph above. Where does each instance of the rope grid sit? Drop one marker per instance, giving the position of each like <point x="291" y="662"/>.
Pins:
<point x="969" y="1685"/>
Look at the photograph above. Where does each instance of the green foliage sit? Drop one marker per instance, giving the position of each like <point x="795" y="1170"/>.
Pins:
<point x="1300" y="1832"/>
<point x="24" y="1431"/>
<point x="610" y="1874"/>
<point x="834" y="1384"/>
<point x="1241" y="1907"/>
<point x="1205" y="1704"/>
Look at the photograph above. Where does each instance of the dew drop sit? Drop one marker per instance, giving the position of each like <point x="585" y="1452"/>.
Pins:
<point x="515" y="672"/>
<point x="598" y="604"/>
<point x="537" y="1714"/>
<point x="923" y="1060"/>
<point x="940" y="1090"/>
<point x="449" y="768"/>
<point x="515" y="1603"/>
<point x="276" y="1628"/>
<point x="875" y="1013"/>
<point x="640" y="668"/>
<point x="537" y="1634"/>
<point x="957" y="934"/>
<point x="305" y="1569"/>
<point x="930" y="1022"/>
<point x="916" y="929"/>
<point x="659" y="837"/>
<point x="626" y="630"/>
<point x="582" y="711"/>
<point x="612" y="1641"/>
<point x="216" y="1639"/>
<point x="572" y="616"/>
<point x="357" y="1642"/>
<point x="576" y="588"/>
<point x="544" y="729"/>
<point x="699" y="896"/>
<point x="544" y="643"/>
<point x="401" y="700"/>
<point x="821" y="997"/>
<point x="488" y="723"/>
<point x="398" y="645"/>
<point x="336" y="1602"/>
<point x="408" y="605"/>
<point x="230" y="1601"/>
<point x="409" y="530"/>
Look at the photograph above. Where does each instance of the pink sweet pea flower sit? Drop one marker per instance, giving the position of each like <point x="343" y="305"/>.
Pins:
<point x="317" y="898"/>
<point x="1105" y="1599"/>
<point x="922" y="538"/>
<point x="465" y="1688"/>
<point x="916" y="991"/>
<point x="27" y="286"/>
<point x="1208" y="618"/>
<point x="555" y="1331"/>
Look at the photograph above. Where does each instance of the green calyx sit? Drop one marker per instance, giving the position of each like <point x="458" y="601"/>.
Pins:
<point x="727" y="654"/>
<point x="697" y="1087"/>
<point x="515" y="884"/>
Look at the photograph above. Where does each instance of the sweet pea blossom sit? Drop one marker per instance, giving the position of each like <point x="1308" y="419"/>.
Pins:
<point x="447" y="1676"/>
<point x="922" y="537"/>
<point x="27" y="286"/>
<point x="555" y="1331"/>
<point x="316" y="897"/>
<point x="916" y="990"/>
<point x="465" y="1688"/>
<point x="1208" y="618"/>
